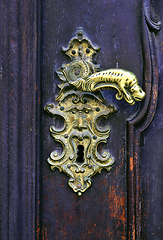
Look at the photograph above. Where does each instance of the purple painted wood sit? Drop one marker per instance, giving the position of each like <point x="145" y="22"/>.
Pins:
<point x="102" y="210"/>
<point x="151" y="150"/>
<point x="141" y="122"/>
<point x="19" y="119"/>
<point x="36" y="203"/>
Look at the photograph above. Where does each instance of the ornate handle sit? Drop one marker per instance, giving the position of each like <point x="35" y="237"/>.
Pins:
<point x="81" y="104"/>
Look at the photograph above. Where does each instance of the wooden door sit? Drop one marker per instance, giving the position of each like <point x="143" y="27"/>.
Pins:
<point x="37" y="203"/>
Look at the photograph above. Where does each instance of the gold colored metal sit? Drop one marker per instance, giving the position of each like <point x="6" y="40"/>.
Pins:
<point x="80" y="112"/>
<point x="80" y="105"/>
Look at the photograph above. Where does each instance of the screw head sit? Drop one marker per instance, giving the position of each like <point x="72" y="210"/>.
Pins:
<point x="94" y="137"/>
<point x="55" y="154"/>
<point x="89" y="166"/>
<point x="73" y="52"/>
<point x="79" y="193"/>
<point x="87" y="50"/>
<point x="61" y="108"/>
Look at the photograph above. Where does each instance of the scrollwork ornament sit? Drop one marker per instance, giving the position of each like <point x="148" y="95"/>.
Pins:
<point x="81" y="104"/>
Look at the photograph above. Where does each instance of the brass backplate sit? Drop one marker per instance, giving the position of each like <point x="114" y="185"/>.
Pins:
<point x="80" y="105"/>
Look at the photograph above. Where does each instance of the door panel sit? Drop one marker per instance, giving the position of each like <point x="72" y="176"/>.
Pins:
<point x="101" y="212"/>
<point x="37" y="203"/>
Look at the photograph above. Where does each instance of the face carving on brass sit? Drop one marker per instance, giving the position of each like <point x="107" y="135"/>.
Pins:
<point x="80" y="136"/>
<point x="80" y="105"/>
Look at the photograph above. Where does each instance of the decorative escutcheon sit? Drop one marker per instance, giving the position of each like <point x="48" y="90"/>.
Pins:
<point x="81" y="104"/>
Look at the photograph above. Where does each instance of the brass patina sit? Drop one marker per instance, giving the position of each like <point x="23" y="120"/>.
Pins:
<point x="81" y="104"/>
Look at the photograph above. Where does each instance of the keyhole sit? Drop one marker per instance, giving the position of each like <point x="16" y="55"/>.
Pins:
<point x="80" y="154"/>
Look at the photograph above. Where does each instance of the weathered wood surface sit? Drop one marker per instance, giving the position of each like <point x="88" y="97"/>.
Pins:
<point x="38" y="204"/>
<point x="19" y="110"/>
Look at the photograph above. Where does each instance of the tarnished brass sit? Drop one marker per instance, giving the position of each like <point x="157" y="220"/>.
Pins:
<point x="80" y="112"/>
<point x="80" y="105"/>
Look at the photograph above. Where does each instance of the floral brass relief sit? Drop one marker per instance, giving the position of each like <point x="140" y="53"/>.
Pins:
<point x="81" y="104"/>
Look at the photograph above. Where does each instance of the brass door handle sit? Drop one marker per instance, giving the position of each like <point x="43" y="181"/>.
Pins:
<point x="81" y="104"/>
